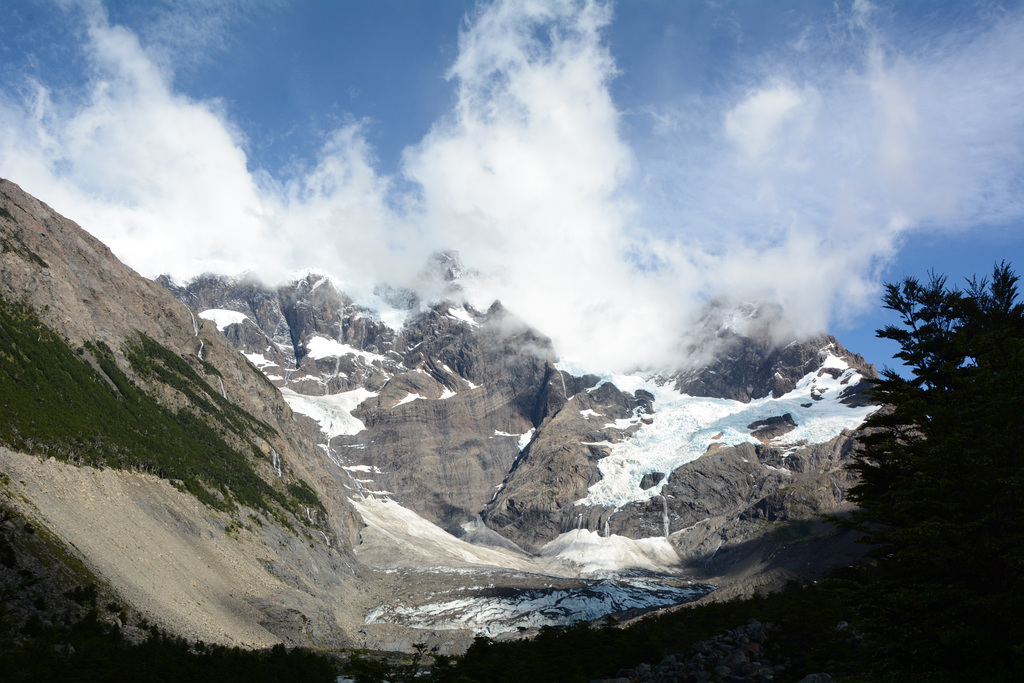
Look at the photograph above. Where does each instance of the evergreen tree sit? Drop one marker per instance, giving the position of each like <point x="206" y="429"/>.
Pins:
<point x="941" y="482"/>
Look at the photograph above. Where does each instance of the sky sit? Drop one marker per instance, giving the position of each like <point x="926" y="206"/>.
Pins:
<point x="604" y="169"/>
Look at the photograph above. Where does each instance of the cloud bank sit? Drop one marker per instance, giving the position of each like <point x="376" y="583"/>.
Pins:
<point x="794" y="184"/>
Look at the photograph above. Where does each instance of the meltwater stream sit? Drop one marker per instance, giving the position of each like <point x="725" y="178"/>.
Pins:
<point x="491" y="610"/>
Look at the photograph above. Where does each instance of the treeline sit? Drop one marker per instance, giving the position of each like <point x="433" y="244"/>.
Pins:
<point x="92" y="650"/>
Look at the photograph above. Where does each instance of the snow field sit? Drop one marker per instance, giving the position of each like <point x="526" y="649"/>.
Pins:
<point x="322" y="347"/>
<point x="684" y="427"/>
<point x="223" y="318"/>
<point x="333" y="412"/>
<point x="595" y="554"/>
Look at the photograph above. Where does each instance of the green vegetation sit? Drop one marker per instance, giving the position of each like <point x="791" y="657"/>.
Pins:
<point x="151" y="361"/>
<point x="55" y="403"/>
<point x="304" y="495"/>
<point x="942" y="481"/>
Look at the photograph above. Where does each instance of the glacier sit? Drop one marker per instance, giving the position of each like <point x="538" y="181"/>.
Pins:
<point x="684" y="427"/>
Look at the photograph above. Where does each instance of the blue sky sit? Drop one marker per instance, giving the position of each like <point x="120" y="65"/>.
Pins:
<point x="606" y="168"/>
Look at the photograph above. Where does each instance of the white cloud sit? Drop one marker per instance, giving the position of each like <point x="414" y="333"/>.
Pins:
<point x="523" y="179"/>
<point x="760" y="124"/>
<point x="794" y="186"/>
<point x="161" y="178"/>
<point x="802" y="182"/>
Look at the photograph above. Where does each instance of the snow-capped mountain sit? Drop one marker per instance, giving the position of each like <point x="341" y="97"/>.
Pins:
<point x="469" y="419"/>
<point x="379" y="469"/>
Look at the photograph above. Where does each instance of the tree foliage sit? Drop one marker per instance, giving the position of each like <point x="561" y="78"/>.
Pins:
<point x="54" y="402"/>
<point x="941" y="481"/>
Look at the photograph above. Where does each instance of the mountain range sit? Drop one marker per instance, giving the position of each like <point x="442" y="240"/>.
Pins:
<point x="252" y="464"/>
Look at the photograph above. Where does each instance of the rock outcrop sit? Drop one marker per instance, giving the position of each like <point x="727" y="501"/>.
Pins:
<point x="448" y="395"/>
<point x="746" y="352"/>
<point x="536" y="501"/>
<point x="80" y="291"/>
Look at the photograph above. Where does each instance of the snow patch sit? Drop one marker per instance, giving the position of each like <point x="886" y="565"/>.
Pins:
<point x="411" y="540"/>
<point x="332" y="412"/>
<point x="322" y="347"/>
<point x="463" y="316"/>
<point x="624" y="423"/>
<point x="525" y="439"/>
<point x="409" y="398"/>
<point x="259" y="360"/>
<point x="596" y="554"/>
<point x="223" y="318"/>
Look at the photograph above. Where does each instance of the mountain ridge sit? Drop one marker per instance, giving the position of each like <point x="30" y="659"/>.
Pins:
<point x="457" y="432"/>
<point x="431" y="376"/>
<point x="90" y="300"/>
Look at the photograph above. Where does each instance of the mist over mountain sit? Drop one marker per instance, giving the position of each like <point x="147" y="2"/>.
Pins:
<point x="591" y="203"/>
<point x="251" y="464"/>
<point x="469" y="417"/>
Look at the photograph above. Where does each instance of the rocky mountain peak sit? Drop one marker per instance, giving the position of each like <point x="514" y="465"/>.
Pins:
<point x="747" y="351"/>
<point x="444" y="414"/>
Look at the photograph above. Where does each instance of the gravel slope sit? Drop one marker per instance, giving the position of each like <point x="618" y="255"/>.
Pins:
<point x="161" y="549"/>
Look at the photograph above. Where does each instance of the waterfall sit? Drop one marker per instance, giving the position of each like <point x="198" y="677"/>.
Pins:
<point x="565" y="393"/>
<point x="202" y="345"/>
<point x="221" y="380"/>
<point x="195" y="325"/>
<point x="330" y="454"/>
<point x="606" y="528"/>
<point x="275" y="460"/>
<point x="664" y="514"/>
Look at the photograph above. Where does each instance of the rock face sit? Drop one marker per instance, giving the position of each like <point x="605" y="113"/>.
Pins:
<point x="769" y="477"/>
<point x="558" y="467"/>
<point x="466" y="414"/>
<point x="745" y="355"/>
<point x="79" y="290"/>
<point x="444" y="431"/>
<point x="445" y="398"/>
<point x="279" y="326"/>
